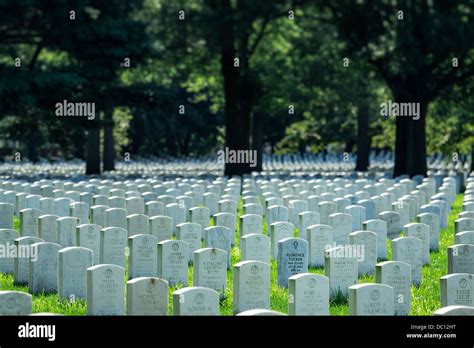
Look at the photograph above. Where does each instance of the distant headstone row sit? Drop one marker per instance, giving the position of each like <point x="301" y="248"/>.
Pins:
<point x="329" y="165"/>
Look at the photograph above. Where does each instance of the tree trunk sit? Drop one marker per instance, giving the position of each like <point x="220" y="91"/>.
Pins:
<point x="171" y="146"/>
<point x="137" y="133"/>
<point x="78" y="143"/>
<point x="472" y="158"/>
<point x="245" y="107"/>
<point x="349" y="145"/>
<point x="93" y="151"/>
<point x="184" y="147"/>
<point x="236" y="139"/>
<point x="109" y="143"/>
<point x="32" y="147"/>
<point x="417" y="149"/>
<point x="363" y="139"/>
<point x="410" y="145"/>
<point x="401" y="146"/>
<point x="257" y="138"/>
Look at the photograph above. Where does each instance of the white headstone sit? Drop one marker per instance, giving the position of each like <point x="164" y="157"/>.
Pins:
<point x="73" y="263"/>
<point x="113" y="241"/>
<point x="320" y="237"/>
<point x="292" y="259"/>
<point x="191" y="233"/>
<point x="251" y="286"/>
<point x="278" y="231"/>
<point x="147" y="296"/>
<point x="66" y="228"/>
<point x="6" y="215"/>
<point x="342" y="227"/>
<point x="396" y="274"/>
<point x="137" y="224"/>
<point x="365" y="247"/>
<point x="29" y="222"/>
<point x="21" y="266"/>
<point x="210" y="269"/>
<point x="44" y="270"/>
<point x="88" y="236"/>
<point x="422" y="232"/>
<point x="218" y="237"/>
<point x="15" y="303"/>
<point x="255" y="246"/>
<point x="173" y="262"/>
<point x="341" y="269"/>
<point x="161" y="227"/>
<point x="409" y="250"/>
<point x="105" y="290"/>
<point x="457" y="289"/>
<point x="307" y="218"/>
<point x="195" y="301"/>
<point x="116" y="217"/>
<point x="379" y="227"/>
<point x="461" y="258"/>
<point x="308" y="294"/>
<point x="250" y="224"/>
<point x="371" y="299"/>
<point x="143" y="259"/>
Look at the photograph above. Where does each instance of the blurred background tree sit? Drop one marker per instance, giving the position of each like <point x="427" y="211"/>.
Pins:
<point x="189" y="77"/>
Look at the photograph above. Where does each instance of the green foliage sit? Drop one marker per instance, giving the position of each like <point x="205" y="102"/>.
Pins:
<point x="300" y="135"/>
<point x="291" y="62"/>
<point x="122" y="117"/>
<point x="451" y="114"/>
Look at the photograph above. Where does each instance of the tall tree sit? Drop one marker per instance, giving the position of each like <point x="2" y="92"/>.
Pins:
<point x="240" y="26"/>
<point x="91" y="41"/>
<point x="106" y="39"/>
<point x="363" y="138"/>
<point x="407" y="42"/>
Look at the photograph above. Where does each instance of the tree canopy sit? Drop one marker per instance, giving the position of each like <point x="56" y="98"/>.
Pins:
<point x="190" y="77"/>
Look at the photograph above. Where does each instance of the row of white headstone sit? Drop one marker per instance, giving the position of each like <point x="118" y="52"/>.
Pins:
<point x="328" y="211"/>
<point x="457" y="287"/>
<point x="329" y="165"/>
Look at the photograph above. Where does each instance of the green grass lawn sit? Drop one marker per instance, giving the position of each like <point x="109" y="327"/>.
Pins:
<point x="425" y="299"/>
